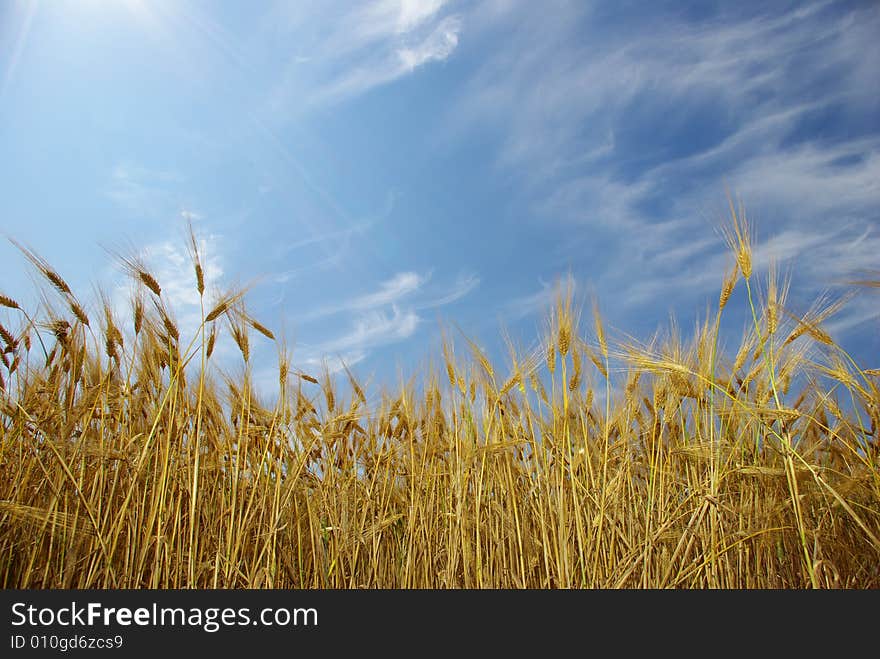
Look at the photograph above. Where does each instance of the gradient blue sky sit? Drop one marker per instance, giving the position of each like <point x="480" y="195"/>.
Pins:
<point x="382" y="166"/>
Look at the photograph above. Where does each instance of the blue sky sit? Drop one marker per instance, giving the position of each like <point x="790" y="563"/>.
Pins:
<point x="383" y="168"/>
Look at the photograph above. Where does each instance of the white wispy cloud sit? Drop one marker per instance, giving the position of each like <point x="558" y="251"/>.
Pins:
<point x="437" y="46"/>
<point x="373" y="329"/>
<point x="813" y="177"/>
<point x="862" y="312"/>
<point x="387" y="315"/>
<point x="389" y="292"/>
<point x="327" y="236"/>
<point x="556" y="72"/>
<point x="368" y="331"/>
<point x="463" y="285"/>
<point x="373" y="22"/>
<point x="627" y="139"/>
<point x="335" y="362"/>
<point x="828" y="256"/>
<point x="541" y="300"/>
<point x="382" y="66"/>
<point x="333" y="245"/>
<point x="553" y="74"/>
<point x="355" y="49"/>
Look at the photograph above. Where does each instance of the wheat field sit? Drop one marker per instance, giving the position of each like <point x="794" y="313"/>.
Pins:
<point x="130" y="459"/>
